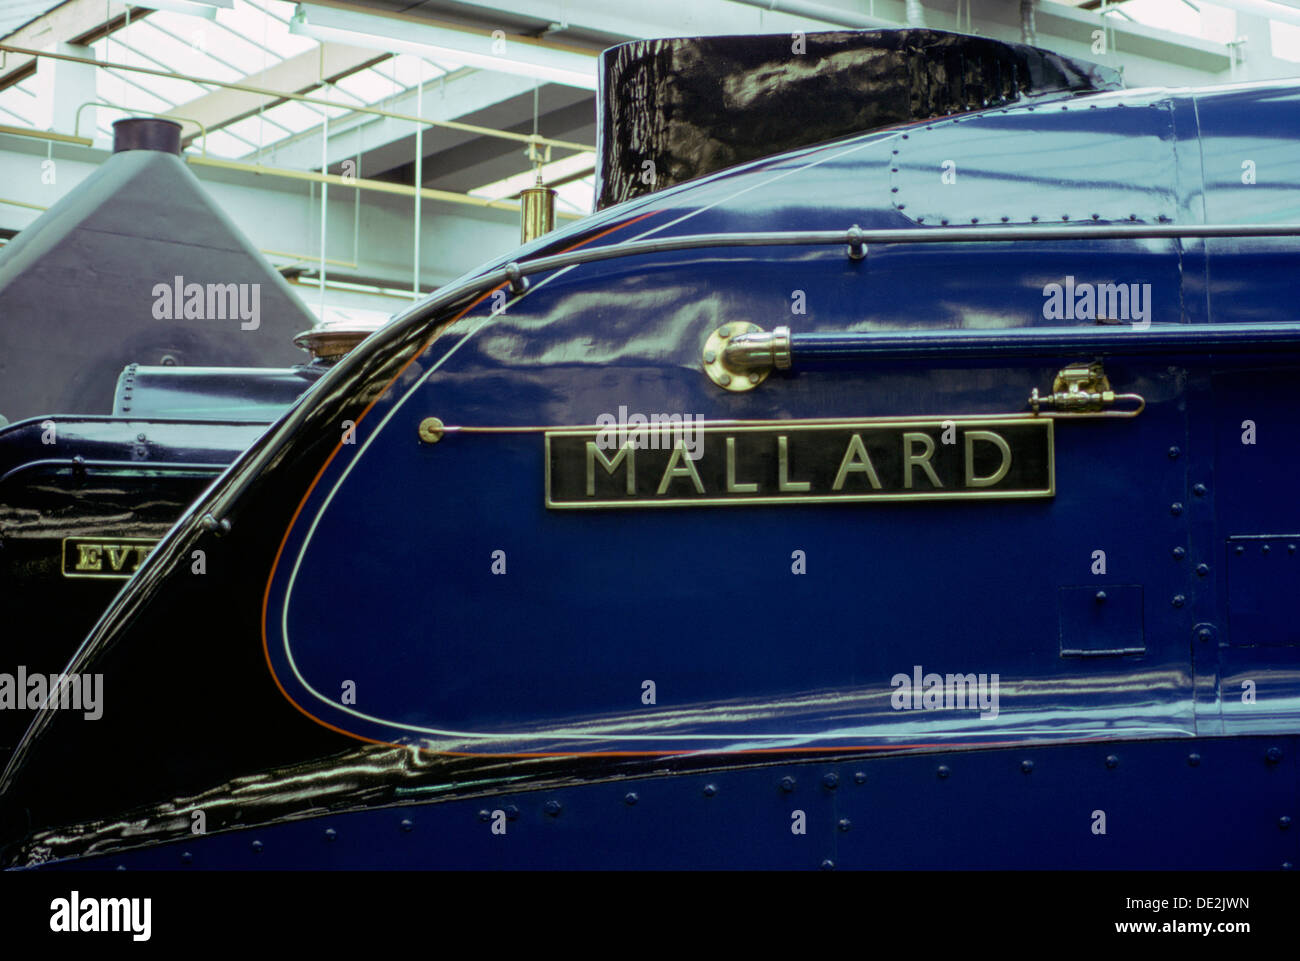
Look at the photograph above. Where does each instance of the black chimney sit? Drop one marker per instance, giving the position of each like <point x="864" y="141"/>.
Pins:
<point x="147" y="133"/>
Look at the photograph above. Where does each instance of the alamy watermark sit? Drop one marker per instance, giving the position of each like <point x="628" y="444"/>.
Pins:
<point x="653" y="432"/>
<point x="1085" y="301"/>
<point x="945" y="692"/>
<point x="75" y="692"/>
<point x="181" y="301"/>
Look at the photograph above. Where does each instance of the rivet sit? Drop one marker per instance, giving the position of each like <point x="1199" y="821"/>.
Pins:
<point x="485" y="815"/>
<point x="1273" y="755"/>
<point x="1204" y="635"/>
<point x="860" y="777"/>
<point x="552" y="808"/>
<point x="1100" y="597"/>
<point x="1202" y="570"/>
<point x="331" y="834"/>
<point x="1065" y="216"/>
<point x="406" y="825"/>
<point x="1005" y="219"/>
<point x="512" y="812"/>
<point x="1175" y="508"/>
<point x="630" y="797"/>
<point x="1033" y="219"/>
<point x="1264" y="549"/>
<point x="724" y="332"/>
<point x="831" y="780"/>
<point x="140" y="438"/>
<point x="893" y="190"/>
<point x="787" y="784"/>
<point x="1193" y="759"/>
<point x="724" y="379"/>
<point x="1173" y="451"/>
<point x="1179" y="553"/>
<point x="844" y="824"/>
<point x="257" y="847"/>
<point x="710" y="790"/>
<point x="186" y="857"/>
<point x="754" y="377"/>
<point x="904" y="136"/>
<point x="943" y="770"/>
<point x="974" y="220"/>
<point x="828" y="865"/>
<point x="1026" y="766"/>
<point x="710" y="356"/>
<point x="1112" y="761"/>
<point x="1096" y="216"/>
<point x="1239" y="550"/>
<point x="1284" y="821"/>
<point x="1199" y="490"/>
<point x="1179" y="600"/>
<point x="1290" y="548"/>
<point x="944" y="221"/>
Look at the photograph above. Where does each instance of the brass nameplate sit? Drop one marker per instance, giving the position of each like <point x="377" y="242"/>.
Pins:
<point x="819" y="463"/>
<point x="104" y="556"/>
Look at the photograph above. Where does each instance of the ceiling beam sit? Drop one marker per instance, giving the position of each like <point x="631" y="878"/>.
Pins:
<point x="76" y="21"/>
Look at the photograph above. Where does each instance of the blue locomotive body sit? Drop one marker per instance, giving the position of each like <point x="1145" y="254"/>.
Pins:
<point x="712" y="532"/>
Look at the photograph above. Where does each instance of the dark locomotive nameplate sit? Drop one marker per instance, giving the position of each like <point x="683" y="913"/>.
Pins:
<point x="105" y="556"/>
<point x="848" y="461"/>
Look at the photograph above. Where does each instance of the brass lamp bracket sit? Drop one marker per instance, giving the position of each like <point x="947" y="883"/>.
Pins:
<point x="1077" y="389"/>
<point x="739" y="356"/>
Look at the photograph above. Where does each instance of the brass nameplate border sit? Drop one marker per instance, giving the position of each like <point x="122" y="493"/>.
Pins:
<point x="814" y="462"/>
<point x="105" y="557"/>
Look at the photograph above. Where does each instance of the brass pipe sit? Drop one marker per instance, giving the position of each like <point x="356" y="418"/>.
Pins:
<point x="45" y="135"/>
<point x="360" y="183"/>
<point x="304" y="98"/>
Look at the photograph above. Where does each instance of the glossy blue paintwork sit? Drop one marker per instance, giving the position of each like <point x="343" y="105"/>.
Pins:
<point x="744" y="654"/>
<point x="384" y="581"/>
<point x="1028" y="808"/>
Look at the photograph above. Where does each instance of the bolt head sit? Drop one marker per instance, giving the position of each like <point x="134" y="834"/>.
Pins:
<point x="724" y="379"/>
<point x="1112" y="761"/>
<point x="1027" y="766"/>
<point x="1179" y="553"/>
<point x="1194" y="759"/>
<point x="787" y="784"/>
<point x="710" y="790"/>
<point x="485" y="815"/>
<point x="186" y="857"/>
<point x="257" y="847"/>
<point x="1273" y="755"/>
<point x="406" y="825"/>
<point x="1176" y="508"/>
<point x="630" y="798"/>
<point x="1199" y="490"/>
<point x="1100" y="597"/>
<point x="828" y="865"/>
<point x="1202" y="569"/>
<point x="512" y="812"/>
<point x="552" y="808"/>
<point x="331" y="834"/>
<point x="710" y="356"/>
<point x="943" y="771"/>
<point x="1173" y="451"/>
<point x="844" y="824"/>
<point x="724" y="332"/>
<point x="831" y="780"/>
<point x="1284" y="821"/>
<point x="1179" y="600"/>
<point x="860" y="777"/>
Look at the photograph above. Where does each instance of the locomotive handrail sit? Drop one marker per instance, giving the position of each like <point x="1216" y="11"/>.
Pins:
<point x="855" y="239"/>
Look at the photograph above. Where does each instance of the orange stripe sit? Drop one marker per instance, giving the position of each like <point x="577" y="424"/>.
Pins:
<point x="275" y="564"/>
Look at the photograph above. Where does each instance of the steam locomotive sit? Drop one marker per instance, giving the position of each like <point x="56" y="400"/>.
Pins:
<point x="893" y="473"/>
